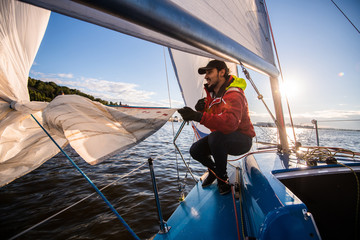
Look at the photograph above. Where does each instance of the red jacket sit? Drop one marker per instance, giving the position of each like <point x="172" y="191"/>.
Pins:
<point x="229" y="112"/>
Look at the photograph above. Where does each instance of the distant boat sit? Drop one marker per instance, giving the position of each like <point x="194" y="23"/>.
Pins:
<point x="279" y="192"/>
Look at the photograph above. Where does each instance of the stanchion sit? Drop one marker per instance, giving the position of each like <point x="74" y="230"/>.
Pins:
<point x="317" y="132"/>
<point x="164" y="228"/>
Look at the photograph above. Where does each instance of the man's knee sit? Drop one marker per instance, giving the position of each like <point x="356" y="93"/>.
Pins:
<point x="193" y="151"/>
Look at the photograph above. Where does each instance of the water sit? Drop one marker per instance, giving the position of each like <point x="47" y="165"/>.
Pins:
<point x="57" y="185"/>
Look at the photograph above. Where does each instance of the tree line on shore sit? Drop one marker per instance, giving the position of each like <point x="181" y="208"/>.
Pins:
<point x="47" y="91"/>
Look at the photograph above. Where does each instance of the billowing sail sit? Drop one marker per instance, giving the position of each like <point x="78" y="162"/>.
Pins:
<point x="95" y="131"/>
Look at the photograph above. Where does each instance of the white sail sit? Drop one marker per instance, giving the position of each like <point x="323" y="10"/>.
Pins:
<point x="23" y="145"/>
<point x="95" y="131"/>
<point x="243" y="21"/>
<point x="20" y="41"/>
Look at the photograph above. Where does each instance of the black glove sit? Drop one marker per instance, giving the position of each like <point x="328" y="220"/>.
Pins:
<point x="188" y="114"/>
<point x="200" y="105"/>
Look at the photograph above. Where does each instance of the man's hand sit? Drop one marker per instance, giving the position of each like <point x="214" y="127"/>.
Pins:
<point x="200" y="105"/>
<point x="188" y="114"/>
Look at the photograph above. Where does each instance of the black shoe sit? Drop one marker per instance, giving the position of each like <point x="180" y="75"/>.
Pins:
<point x="209" y="180"/>
<point x="224" y="188"/>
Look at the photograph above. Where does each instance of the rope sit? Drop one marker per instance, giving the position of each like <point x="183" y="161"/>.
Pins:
<point x="91" y="183"/>
<point x="236" y="217"/>
<point x="255" y="152"/>
<point x="177" y="148"/>
<point x="260" y="96"/>
<point x="218" y="178"/>
<point x="241" y="215"/>
<point x="319" y="152"/>
<point x="328" y="151"/>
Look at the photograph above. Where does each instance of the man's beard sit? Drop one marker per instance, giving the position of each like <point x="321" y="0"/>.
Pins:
<point x="212" y="87"/>
<point x="209" y="88"/>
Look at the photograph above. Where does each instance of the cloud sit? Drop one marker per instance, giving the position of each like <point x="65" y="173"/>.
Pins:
<point x="51" y="76"/>
<point x="126" y="93"/>
<point x="65" y="75"/>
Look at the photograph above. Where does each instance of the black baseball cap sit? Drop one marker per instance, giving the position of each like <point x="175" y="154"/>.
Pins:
<point x="212" y="64"/>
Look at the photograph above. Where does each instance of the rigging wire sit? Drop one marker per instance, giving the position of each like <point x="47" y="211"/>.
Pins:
<point x="89" y="181"/>
<point x="260" y="96"/>
<point x="173" y="128"/>
<point x="76" y="203"/>
<point x="345" y="15"/>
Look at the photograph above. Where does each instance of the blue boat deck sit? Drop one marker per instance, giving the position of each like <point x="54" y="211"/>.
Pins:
<point x="198" y="216"/>
<point x="269" y="209"/>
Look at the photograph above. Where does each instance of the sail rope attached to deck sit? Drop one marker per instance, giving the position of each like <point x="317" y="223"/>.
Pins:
<point x="327" y="154"/>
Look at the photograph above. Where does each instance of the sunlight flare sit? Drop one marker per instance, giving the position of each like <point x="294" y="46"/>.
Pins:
<point x="290" y="88"/>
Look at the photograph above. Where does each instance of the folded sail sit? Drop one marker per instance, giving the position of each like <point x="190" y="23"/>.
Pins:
<point x="96" y="131"/>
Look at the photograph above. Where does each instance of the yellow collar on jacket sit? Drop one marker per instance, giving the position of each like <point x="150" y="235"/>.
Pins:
<point x="237" y="82"/>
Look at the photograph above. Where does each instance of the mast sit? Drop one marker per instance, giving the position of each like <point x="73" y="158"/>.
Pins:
<point x="280" y="122"/>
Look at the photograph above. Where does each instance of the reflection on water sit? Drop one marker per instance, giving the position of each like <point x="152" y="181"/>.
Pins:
<point x="57" y="185"/>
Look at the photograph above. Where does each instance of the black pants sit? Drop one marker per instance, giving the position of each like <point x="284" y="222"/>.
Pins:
<point x="219" y="145"/>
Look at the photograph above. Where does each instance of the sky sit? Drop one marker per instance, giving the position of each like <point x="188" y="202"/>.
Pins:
<point x="319" y="53"/>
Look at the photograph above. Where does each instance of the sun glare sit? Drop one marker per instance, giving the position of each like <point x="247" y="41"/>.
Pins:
<point x="290" y="88"/>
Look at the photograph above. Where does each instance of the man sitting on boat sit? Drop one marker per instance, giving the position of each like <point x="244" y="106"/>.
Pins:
<point x="225" y="112"/>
